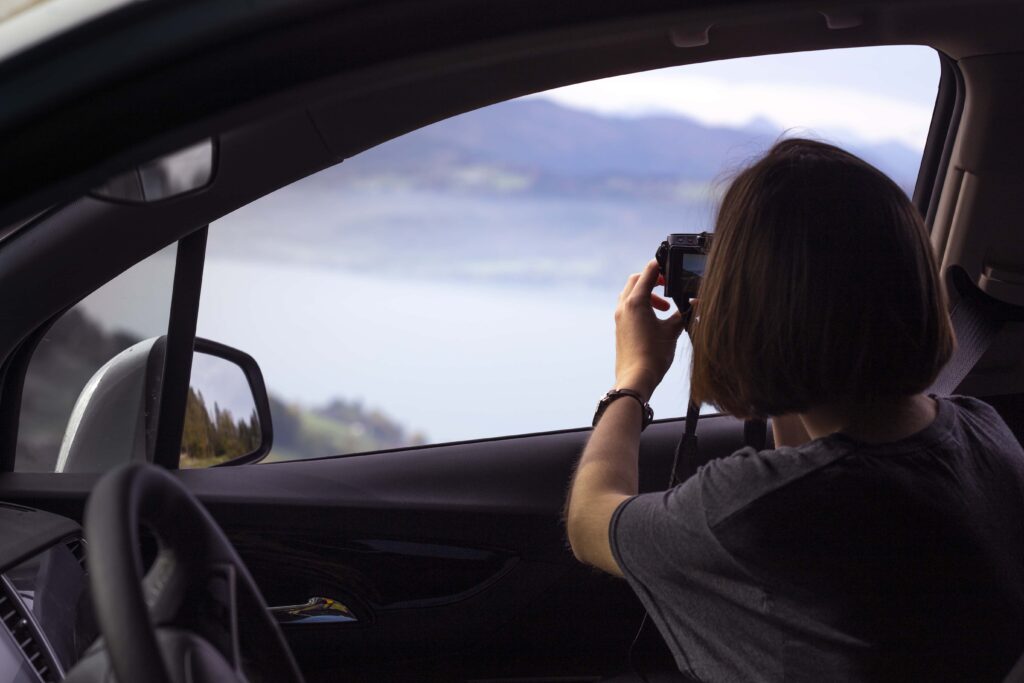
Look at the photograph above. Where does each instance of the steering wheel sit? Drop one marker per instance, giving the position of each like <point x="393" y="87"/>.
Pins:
<point x="197" y="615"/>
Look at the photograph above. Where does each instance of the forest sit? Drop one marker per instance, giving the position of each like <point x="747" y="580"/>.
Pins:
<point x="214" y="436"/>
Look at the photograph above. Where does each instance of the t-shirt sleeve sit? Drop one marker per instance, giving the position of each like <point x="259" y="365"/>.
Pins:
<point x="661" y="533"/>
<point x="668" y="534"/>
<point x="667" y="551"/>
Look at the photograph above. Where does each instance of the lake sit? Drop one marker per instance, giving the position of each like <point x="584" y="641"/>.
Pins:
<point x="451" y="361"/>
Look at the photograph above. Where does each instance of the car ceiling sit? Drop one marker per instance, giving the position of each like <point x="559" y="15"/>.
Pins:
<point x="290" y="88"/>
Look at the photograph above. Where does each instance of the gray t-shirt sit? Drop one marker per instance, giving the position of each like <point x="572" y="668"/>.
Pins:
<point x="840" y="560"/>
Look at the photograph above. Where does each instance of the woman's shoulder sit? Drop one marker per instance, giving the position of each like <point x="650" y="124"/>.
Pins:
<point x="974" y="422"/>
<point x="973" y="410"/>
<point x="734" y="482"/>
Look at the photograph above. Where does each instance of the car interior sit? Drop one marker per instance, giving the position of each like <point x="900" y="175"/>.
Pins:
<point x="433" y="562"/>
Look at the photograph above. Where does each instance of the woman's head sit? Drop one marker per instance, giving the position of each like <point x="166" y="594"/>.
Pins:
<point x="820" y="289"/>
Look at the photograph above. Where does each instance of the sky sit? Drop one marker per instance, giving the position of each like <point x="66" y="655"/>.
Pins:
<point x="856" y="95"/>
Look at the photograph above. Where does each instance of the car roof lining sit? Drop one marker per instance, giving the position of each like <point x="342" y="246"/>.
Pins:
<point x="194" y="95"/>
<point x="312" y="126"/>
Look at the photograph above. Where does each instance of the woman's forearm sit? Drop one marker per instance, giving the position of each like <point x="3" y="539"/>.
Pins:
<point x="607" y="473"/>
<point x="605" y="476"/>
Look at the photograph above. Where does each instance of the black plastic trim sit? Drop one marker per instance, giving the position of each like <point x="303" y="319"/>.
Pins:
<point x="949" y="106"/>
<point x="12" y="377"/>
<point x="214" y="169"/>
<point x="181" y="334"/>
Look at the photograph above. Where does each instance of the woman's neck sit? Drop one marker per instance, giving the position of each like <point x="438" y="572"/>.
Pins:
<point x="876" y="422"/>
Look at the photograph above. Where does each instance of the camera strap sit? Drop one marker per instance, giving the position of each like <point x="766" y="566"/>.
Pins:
<point x="687" y="455"/>
<point x="686" y="449"/>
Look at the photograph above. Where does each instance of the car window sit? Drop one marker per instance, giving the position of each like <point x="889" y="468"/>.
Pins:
<point x="118" y="316"/>
<point x="459" y="282"/>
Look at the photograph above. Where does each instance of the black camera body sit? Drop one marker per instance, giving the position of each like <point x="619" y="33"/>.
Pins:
<point x="682" y="258"/>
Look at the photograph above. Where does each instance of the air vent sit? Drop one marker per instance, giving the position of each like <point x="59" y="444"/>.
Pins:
<point x="23" y="633"/>
<point x="77" y="548"/>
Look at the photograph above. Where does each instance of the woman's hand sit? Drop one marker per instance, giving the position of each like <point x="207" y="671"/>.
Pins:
<point x="644" y="344"/>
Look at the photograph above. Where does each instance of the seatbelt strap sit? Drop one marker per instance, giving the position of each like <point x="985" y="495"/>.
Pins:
<point x="975" y="330"/>
<point x="977" y="320"/>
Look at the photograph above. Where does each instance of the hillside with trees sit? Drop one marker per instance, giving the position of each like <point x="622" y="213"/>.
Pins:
<point x="77" y="346"/>
<point x="212" y="436"/>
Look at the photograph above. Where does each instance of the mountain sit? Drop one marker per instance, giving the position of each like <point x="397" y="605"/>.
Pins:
<point x="542" y="137"/>
<point x="542" y="146"/>
<point x="517" y="194"/>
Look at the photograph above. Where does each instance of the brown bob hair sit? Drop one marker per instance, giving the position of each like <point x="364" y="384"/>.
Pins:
<point x="821" y="289"/>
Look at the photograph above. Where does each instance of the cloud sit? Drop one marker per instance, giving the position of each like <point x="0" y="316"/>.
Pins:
<point x="837" y="112"/>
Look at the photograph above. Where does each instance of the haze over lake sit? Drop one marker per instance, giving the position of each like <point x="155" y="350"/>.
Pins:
<point x="459" y="316"/>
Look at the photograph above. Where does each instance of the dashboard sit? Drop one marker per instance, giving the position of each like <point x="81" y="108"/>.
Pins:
<point x="45" y="608"/>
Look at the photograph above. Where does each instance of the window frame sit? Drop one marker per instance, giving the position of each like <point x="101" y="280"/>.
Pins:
<point x="942" y="132"/>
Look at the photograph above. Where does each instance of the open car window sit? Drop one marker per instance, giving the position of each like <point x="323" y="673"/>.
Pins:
<point x="459" y="282"/>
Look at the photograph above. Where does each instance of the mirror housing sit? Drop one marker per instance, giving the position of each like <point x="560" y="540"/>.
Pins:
<point x="114" y="420"/>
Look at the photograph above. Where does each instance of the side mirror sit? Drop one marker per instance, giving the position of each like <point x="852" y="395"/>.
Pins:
<point x="115" y="418"/>
<point x="227" y="415"/>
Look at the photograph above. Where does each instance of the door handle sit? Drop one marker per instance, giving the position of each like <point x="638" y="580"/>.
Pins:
<point x="316" y="610"/>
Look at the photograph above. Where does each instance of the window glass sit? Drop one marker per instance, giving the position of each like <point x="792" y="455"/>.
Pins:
<point x="127" y="310"/>
<point x="221" y="419"/>
<point x="459" y="282"/>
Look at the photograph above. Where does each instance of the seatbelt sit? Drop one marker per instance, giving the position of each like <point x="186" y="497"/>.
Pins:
<point x="975" y="330"/>
<point x="977" y="320"/>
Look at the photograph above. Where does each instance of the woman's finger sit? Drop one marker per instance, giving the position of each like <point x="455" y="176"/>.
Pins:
<point x="659" y="303"/>
<point x="630" y="284"/>
<point x="678" y="322"/>
<point x="644" y="285"/>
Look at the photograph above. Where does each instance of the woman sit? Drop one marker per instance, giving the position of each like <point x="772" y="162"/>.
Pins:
<point x="883" y="537"/>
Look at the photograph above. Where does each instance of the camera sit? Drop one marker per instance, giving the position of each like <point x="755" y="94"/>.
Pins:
<point x="682" y="257"/>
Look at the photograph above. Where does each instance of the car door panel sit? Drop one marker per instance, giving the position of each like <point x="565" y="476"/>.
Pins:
<point x="452" y="558"/>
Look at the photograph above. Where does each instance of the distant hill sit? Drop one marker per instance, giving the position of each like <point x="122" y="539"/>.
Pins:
<point x="542" y="146"/>
<point x="339" y="427"/>
<point x="521" y="193"/>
